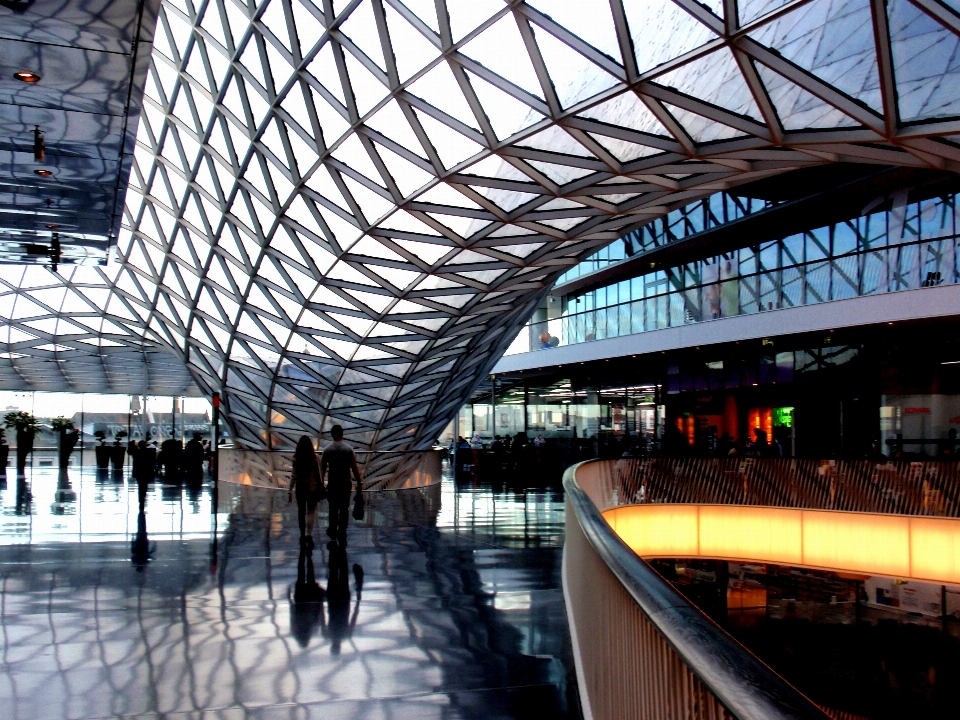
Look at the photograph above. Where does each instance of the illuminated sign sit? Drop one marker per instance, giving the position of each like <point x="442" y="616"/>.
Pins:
<point x="783" y="417"/>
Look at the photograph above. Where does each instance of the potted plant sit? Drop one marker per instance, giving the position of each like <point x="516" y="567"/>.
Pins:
<point x="67" y="436"/>
<point x="118" y="452"/>
<point x="26" y="426"/>
<point x="4" y="451"/>
<point x="102" y="451"/>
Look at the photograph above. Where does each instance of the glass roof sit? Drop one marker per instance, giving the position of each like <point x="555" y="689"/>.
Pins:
<point x="342" y="212"/>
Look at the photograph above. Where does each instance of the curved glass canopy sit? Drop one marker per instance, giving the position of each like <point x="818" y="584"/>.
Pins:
<point x="341" y="211"/>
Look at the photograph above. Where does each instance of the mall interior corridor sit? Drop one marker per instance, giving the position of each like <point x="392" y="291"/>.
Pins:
<point x="446" y="604"/>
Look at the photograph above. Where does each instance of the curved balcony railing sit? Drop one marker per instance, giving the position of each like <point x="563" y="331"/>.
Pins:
<point x="901" y="487"/>
<point x="641" y="650"/>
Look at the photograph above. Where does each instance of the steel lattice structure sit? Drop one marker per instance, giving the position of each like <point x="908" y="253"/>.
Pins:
<point x="342" y="210"/>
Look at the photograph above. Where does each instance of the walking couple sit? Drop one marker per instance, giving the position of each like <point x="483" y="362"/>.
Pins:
<point x="339" y="460"/>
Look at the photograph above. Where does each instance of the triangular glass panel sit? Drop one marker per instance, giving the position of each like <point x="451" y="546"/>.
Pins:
<point x="715" y="79"/>
<point x="333" y="124"/>
<point x="623" y="150"/>
<point x="452" y="147"/>
<point x="651" y="22"/>
<point x="506" y="114"/>
<point x="574" y="77"/>
<point x="361" y="28"/>
<point x="797" y="108"/>
<point x="750" y="10"/>
<point x="560" y="174"/>
<point x="703" y="129"/>
<point x="324" y="69"/>
<point x="554" y="139"/>
<point x="322" y="183"/>
<point x="926" y="63"/>
<point x="250" y="59"/>
<point x="444" y="194"/>
<point x="353" y="154"/>
<point x="405" y="174"/>
<point x="428" y="252"/>
<point x="833" y="41"/>
<point x="309" y="29"/>
<point x="411" y="50"/>
<point x="595" y="27"/>
<point x="367" y="88"/>
<point x="273" y="17"/>
<point x="627" y="110"/>
<point x="439" y="88"/>
<point x="390" y="121"/>
<point x="426" y="10"/>
<point x="465" y="16"/>
<point x="500" y="48"/>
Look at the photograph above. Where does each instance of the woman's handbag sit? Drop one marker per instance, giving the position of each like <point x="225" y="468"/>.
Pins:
<point x="358" y="504"/>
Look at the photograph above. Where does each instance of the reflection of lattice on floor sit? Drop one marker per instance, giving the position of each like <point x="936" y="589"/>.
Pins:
<point x="343" y="215"/>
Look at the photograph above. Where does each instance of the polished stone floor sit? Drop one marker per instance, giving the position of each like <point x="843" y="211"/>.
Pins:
<point x="446" y="603"/>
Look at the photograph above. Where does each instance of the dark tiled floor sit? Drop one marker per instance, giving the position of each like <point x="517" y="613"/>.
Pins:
<point x="451" y="605"/>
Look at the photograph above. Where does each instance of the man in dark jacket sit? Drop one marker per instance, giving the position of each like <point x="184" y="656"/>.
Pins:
<point x="340" y="460"/>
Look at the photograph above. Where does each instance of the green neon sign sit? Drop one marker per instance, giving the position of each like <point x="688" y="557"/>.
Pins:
<point x="783" y="417"/>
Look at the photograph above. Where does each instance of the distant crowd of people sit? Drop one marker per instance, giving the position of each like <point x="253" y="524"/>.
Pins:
<point x="172" y="459"/>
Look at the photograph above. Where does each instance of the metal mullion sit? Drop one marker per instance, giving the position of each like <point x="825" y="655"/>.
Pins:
<point x="703" y="15"/>
<point x="414" y="20"/>
<point x="396" y="197"/>
<point x="939" y="11"/>
<point x="441" y="117"/>
<point x="475" y="107"/>
<point x="775" y="14"/>
<point x="500" y="82"/>
<point x="888" y="86"/>
<point x="711" y="112"/>
<point x="559" y="32"/>
<point x="759" y="92"/>
<point x="555" y="158"/>
<point x="672" y="126"/>
<point x="673" y="64"/>
<point x="539" y="66"/>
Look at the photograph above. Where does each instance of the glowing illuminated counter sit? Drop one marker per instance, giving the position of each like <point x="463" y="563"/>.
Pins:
<point x="920" y="548"/>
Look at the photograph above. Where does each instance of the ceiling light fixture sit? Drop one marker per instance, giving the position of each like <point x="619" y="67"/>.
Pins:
<point x="43" y="173"/>
<point x="27" y="76"/>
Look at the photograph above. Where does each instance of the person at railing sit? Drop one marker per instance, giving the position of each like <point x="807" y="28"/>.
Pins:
<point x="339" y="460"/>
<point x="308" y="482"/>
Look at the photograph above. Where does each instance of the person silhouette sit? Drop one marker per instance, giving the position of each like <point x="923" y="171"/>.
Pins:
<point x="306" y="600"/>
<point x="140" y="551"/>
<point x="341" y="623"/>
<point x="336" y="464"/>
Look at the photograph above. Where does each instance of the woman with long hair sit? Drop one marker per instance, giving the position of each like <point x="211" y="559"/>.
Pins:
<point x="309" y="486"/>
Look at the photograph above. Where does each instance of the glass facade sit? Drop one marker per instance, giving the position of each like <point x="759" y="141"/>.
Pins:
<point x="707" y="214"/>
<point x="911" y="246"/>
<point x="120" y="418"/>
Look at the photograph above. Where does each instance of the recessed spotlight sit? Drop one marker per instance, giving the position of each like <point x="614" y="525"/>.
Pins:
<point x="44" y="173"/>
<point x="27" y="76"/>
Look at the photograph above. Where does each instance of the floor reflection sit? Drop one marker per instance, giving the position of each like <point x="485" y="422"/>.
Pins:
<point x="446" y="603"/>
